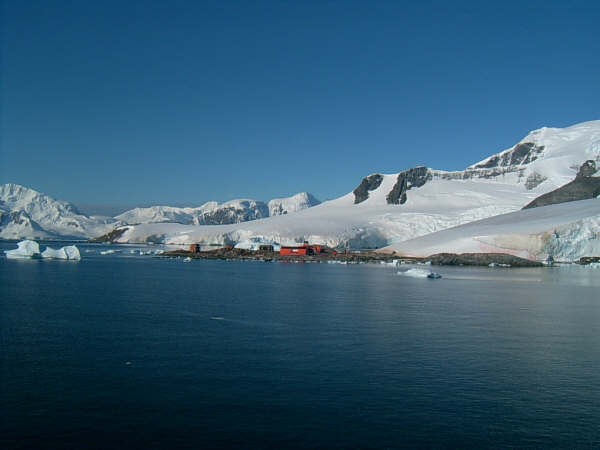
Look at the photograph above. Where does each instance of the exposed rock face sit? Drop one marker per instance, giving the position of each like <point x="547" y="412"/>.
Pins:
<point x="245" y="211"/>
<point x="415" y="177"/>
<point x="584" y="186"/>
<point x="534" y="180"/>
<point x="480" y="259"/>
<point x="523" y="153"/>
<point x="112" y="236"/>
<point x="587" y="169"/>
<point x="370" y="183"/>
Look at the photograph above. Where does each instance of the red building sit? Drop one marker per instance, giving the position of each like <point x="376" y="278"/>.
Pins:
<point x="304" y="250"/>
<point x="295" y="251"/>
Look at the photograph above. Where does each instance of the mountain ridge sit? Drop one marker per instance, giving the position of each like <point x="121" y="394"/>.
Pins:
<point x="384" y="208"/>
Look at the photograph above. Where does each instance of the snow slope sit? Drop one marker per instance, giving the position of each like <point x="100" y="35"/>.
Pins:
<point x="567" y="231"/>
<point x="397" y="207"/>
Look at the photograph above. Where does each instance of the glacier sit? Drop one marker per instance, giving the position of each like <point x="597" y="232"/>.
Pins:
<point x="565" y="231"/>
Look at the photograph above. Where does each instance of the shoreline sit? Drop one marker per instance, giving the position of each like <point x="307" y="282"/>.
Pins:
<point x="444" y="259"/>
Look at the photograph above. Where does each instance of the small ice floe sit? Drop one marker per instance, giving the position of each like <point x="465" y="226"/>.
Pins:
<point x="70" y="252"/>
<point x="188" y="259"/>
<point x="25" y="250"/>
<point x="594" y="265"/>
<point x="420" y="273"/>
<point x="393" y="263"/>
<point x="493" y="264"/>
<point x="108" y="252"/>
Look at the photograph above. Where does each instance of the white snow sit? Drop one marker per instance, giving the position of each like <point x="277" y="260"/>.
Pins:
<point x="295" y="203"/>
<point x="25" y="249"/>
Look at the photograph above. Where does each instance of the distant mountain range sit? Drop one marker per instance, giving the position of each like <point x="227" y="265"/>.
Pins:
<point x="548" y="166"/>
<point x="26" y="213"/>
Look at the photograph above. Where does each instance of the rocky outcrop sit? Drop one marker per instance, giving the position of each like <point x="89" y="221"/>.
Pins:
<point x="481" y="259"/>
<point x="415" y="177"/>
<point x="111" y="236"/>
<point x="583" y="187"/>
<point x="522" y="153"/>
<point x="370" y="183"/>
<point x="243" y="212"/>
<point x="587" y="260"/>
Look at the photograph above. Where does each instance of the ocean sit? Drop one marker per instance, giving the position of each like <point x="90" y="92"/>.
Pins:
<point x="128" y="351"/>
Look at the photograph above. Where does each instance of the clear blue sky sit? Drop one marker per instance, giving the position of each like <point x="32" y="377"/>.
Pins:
<point x="181" y="102"/>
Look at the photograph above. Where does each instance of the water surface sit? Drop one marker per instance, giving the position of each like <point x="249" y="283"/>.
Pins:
<point x="122" y="351"/>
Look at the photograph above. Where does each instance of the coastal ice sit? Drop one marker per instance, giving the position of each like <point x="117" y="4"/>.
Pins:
<point x="70" y="252"/>
<point x="419" y="273"/>
<point x="26" y="249"/>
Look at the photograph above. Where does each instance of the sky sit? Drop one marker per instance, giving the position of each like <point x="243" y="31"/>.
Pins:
<point x="182" y="102"/>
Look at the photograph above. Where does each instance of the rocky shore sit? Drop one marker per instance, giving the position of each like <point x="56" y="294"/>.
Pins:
<point x="441" y="259"/>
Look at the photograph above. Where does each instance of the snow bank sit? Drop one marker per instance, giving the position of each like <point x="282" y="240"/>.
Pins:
<point x="26" y="249"/>
<point x="70" y="252"/>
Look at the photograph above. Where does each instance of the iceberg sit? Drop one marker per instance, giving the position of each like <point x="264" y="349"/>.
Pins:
<point x="26" y="249"/>
<point x="420" y="273"/>
<point x="70" y="252"/>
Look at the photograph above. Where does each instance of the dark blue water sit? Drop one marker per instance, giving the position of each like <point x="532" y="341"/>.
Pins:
<point x="120" y="352"/>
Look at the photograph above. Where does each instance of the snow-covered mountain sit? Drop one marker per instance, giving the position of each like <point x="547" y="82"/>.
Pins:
<point x="390" y="208"/>
<point x="213" y="213"/>
<point x="25" y="213"/>
<point x="549" y="165"/>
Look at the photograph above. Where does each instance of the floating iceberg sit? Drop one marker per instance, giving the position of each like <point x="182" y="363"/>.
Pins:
<point x="26" y="249"/>
<point x="69" y="252"/>
<point x="420" y="273"/>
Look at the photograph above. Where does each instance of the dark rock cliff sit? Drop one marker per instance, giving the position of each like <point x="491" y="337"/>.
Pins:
<point x="408" y="179"/>
<point x="583" y="187"/>
<point x="523" y="153"/>
<point x="370" y="183"/>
